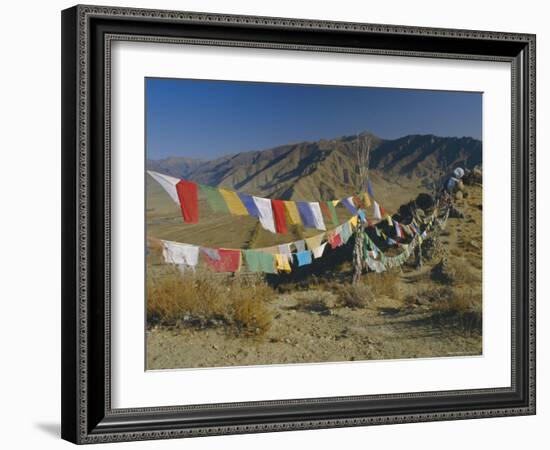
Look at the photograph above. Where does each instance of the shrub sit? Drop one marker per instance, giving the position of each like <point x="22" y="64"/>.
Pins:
<point x="251" y="315"/>
<point x="355" y="295"/>
<point x="461" y="308"/>
<point x="206" y="299"/>
<point x="315" y="300"/>
<point x="385" y="283"/>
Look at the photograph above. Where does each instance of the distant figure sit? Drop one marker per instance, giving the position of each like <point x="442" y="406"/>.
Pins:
<point x="454" y="183"/>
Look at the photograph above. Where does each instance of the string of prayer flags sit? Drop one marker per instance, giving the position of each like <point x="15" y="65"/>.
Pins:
<point x="266" y="213"/>
<point x="304" y="258"/>
<point x="229" y="261"/>
<point x="258" y="261"/>
<point x="234" y="203"/>
<point x="274" y="215"/>
<point x="278" y="207"/>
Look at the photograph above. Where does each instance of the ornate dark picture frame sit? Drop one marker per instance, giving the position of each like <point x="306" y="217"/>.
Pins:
<point x="87" y="33"/>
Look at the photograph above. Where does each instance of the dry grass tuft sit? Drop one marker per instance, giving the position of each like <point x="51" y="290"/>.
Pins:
<point x="450" y="306"/>
<point x="385" y="283"/>
<point x="315" y="300"/>
<point x="355" y="295"/>
<point x="204" y="299"/>
<point x="463" y="275"/>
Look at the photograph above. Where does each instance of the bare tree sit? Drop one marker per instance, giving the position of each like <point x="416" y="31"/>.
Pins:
<point x="362" y="150"/>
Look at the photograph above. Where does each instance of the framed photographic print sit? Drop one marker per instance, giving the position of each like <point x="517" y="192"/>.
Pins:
<point x="280" y="224"/>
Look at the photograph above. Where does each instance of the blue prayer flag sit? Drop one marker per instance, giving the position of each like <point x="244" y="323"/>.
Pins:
<point x="304" y="258"/>
<point x="348" y="203"/>
<point x="369" y="189"/>
<point x="249" y="204"/>
<point x="308" y="219"/>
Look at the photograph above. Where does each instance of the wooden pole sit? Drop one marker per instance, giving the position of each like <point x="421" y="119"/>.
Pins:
<point x="363" y="154"/>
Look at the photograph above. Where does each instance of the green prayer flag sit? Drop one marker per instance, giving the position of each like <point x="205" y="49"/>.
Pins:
<point x="259" y="261"/>
<point x="333" y="214"/>
<point x="214" y="198"/>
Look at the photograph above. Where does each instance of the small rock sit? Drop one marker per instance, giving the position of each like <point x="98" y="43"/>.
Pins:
<point x="475" y="244"/>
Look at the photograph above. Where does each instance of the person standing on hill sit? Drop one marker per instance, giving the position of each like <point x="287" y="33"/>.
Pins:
<point x="454" y="183"/>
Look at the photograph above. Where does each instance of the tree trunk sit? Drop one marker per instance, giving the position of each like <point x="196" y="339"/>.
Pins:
<point x="419" y="255"/>
<point x="358" y="257"/>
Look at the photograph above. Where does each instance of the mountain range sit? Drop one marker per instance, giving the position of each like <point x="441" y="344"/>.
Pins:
<point x="327" y="169"/>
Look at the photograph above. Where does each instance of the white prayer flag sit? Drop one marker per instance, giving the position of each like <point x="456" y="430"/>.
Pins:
<point x="168" y="183"/>
<point x="266" y="213"/>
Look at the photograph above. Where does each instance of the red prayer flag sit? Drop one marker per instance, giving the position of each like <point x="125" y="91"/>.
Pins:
<point x="278" y="208"/>
<point x="382" y="212"/>
<point x="326" y="211"/>
<point x="358" y="202"/>
<point x="230" y="261"/>
<point x="335" y="241"/>
<point x="189" y="200"/>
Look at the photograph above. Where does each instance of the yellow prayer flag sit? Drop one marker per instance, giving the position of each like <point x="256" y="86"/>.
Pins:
<point x="292" y="213"/>
<point x="388" y="219"/>
<point x="281" y="263"/>
<point x="353" y="221"/>
<point x="234" y="203"/>
<point x="314" y="241"/>
<point x="366" y="199"/>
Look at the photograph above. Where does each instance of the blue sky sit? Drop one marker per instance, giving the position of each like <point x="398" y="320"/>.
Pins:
<point x="206" y="119"/>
